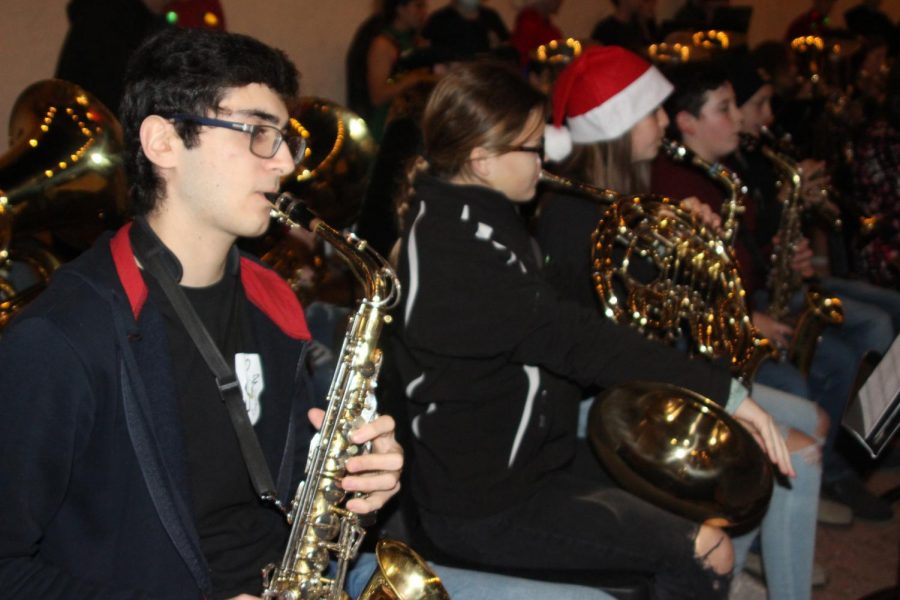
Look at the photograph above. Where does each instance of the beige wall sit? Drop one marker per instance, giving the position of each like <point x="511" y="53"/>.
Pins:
<point x="315" y="33"/>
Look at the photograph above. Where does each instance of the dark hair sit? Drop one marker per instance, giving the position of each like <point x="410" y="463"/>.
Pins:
<point x="190" y="71"/>
<point x="482" y="103"/>
<point x="693" y="81"/>
<point x="389" y="10"/>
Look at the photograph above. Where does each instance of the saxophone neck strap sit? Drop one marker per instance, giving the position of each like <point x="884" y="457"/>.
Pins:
<point x="158" y="261"/>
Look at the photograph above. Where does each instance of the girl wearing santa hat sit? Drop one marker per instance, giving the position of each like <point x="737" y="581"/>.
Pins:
<point x="608" y="125"/>
<point x="493" y="365"/>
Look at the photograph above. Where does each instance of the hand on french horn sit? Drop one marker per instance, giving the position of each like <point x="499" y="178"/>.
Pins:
<point x="766" y="433"/>
<point x="701" y="212"/>
<point x="375" y="474"/>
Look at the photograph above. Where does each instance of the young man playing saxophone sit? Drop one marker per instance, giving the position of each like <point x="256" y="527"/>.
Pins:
<point x="121" y="468"/>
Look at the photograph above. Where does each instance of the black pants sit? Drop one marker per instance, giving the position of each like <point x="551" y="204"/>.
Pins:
<point x="580" y="520"/>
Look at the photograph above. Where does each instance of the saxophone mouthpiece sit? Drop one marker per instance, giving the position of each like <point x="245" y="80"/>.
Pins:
<point x="294" y="210"/>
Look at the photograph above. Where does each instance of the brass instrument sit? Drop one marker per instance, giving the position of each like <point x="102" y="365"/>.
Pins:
<point x="548" y="61"/>
<point x="666" y="444"/>
<point x="340" y="153"/>
<point x="655" y="268"/>
<point x="61" y="177"/>
<point x="681" y="451"/>
<point x="733" y="208"/>
<point x="321" y="526"/>
<point x="332" y="178"/>
<point x="819" y="310"/>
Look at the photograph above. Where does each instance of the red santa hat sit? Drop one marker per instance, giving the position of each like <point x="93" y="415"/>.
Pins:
<point x="601" y="95"/>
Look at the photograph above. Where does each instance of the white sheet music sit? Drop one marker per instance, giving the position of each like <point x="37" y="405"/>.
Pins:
<point x="881" y="388"/>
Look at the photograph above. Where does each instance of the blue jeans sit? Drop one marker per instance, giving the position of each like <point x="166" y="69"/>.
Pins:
<point x="476" y="585"/>
<point x="837" y="358"/>
<point x="788" y="530"/>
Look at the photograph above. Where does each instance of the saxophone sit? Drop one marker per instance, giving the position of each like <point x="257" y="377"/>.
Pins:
<point x="734" y="207"/>
<point x="320" y="525"/>
<point x="783" y="282"/>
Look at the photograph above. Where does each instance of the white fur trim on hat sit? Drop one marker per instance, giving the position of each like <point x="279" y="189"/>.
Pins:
<point x="557" y="143"/>
<point x="621" y="112"/>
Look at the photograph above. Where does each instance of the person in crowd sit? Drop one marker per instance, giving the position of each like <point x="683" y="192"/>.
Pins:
<point x="866" y="19"/>
<point x="402" y="23"/>
<point x="356" y="64"/>
<point x="705" y="118"/>
<point x="693" y="15"/>
<point x="815" y="21"/>
<point x="493" y="364"/>
<point x="194" y="14"/>
<point x="876" y="175"/>
<point x="632" y="25"/>
<point x="534" y="26"/>
<point x="122" y="469"/>
<point x="610" y="101"/>
<point x="102" y="36"/>
<point x="464" y="29"/>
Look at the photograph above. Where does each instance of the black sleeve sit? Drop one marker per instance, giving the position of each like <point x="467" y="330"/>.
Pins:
<point x="45" y="396"/>
<point x="476" y="301"/>
<point x="580" y="344"/>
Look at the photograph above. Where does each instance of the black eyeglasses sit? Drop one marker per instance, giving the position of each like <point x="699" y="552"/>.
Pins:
<point x="265" y="140"/>
<point x="539" y="149"/>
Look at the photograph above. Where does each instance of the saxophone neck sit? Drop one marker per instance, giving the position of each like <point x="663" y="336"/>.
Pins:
<point x="718" y="172"/>
<point x="381" y="286"/>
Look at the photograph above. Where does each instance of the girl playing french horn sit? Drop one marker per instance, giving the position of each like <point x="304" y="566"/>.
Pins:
<point x="610" y="103"/>
<point x="493" y="363"/>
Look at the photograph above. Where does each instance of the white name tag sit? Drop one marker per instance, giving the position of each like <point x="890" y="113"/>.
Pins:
<point x="248" y="369"/>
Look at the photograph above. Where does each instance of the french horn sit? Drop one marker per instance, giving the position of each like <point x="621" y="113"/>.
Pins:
<point x="658" y="270"/>
<point x="681" y="451"/>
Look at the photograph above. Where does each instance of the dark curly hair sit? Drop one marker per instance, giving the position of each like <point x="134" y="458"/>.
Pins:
<point x="190" y="71"/>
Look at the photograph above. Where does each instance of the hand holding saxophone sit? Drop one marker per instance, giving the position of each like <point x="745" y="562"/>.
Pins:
<point x="375" y="474"/>
<point x="766" y="433"/>
<point x="801" y="259"/>
<point x="772" y="329"/>
<point x="814" y="181"/>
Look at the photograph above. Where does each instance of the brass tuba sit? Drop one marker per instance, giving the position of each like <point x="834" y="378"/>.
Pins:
<point x="332" y="179"/>
<point x="60" y="180"/>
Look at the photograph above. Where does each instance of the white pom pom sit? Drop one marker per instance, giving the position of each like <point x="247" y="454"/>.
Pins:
<point x="557" y="143"/>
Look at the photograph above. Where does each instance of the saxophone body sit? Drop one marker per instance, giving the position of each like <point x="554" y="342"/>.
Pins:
<point x="322" y="529"/>
<point x="819" y="309"/>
